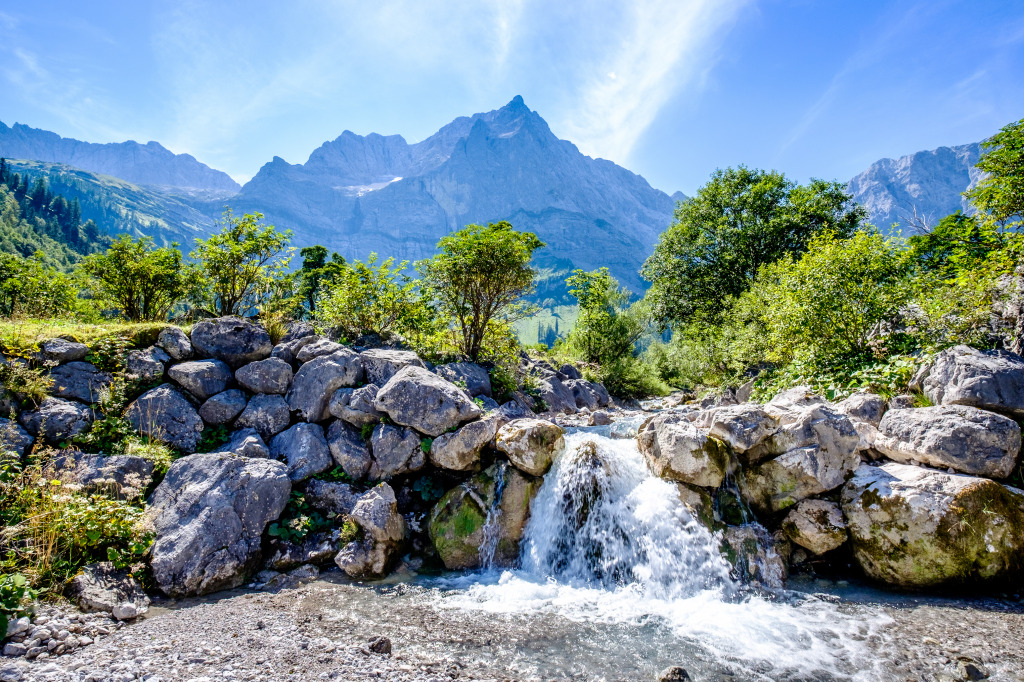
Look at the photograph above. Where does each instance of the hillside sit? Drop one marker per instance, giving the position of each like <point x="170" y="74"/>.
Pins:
<point x="928" y="182"/>
<point x="358" y="194"/>
<point x="143" y="164"/>
<point x="117" y="206"/>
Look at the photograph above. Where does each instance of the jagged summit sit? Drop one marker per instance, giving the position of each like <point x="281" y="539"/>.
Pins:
<point x="363" y="193"/>
<point x="144" y="164"/>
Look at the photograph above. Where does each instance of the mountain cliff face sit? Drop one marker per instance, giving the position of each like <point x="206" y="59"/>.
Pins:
<point x="929" y="182"/>
<point x="143" y="164"/>
<point x="361" y="194"/>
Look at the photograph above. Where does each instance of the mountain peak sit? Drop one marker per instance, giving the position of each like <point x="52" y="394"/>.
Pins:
<point x="517" y="104"/>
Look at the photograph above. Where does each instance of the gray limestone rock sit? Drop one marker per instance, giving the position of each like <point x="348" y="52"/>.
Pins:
<point x="57" y="420"/>
<point x="247" y="443"/>
<point x="460" y="451"/>
<point x="166" y="415"/>
<point x="175" y="343"/>
<point x="223" y="407"/>
<point x="316" y="348"/>
<point x="531" y="444"/>
<point x="232" y="340"/>
<point x="990" y="380"/>
<point x="376" y="513"/>
<point x="317" y="380"/>
<point x="103" y="587"/>
<point x="395" y="450"/>
<point x="419" y="398"/>
<point x="469" y="374"/>
<point x="380" y="364"/>
<point x="119" y="475"/>
<point x="355" y="405"/>
<point x="61" y="351"/>
<point x="272" y="375"/>
<point x="348" y="449"/>
<point x="80" y="381"/>
<point x="201" y="378"/>
<point x="208" y="516"/>
<point x="304" y="448"/>
<point x="146" y="365"/>
<point x="268" y="414"/>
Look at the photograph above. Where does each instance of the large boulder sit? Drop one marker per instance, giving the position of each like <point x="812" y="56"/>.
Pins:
<point x="146" y="365"/>
<point x="201" y="378"/>
<point x="313" y="348"/>
<point x="317" y="548"/>
<point x="13" y="438"/>
<point x="304" y="447"/>
<point x="60" y="351"/>
<point x="376" y="515"/>
<point x="381" y="364"/>
<point x="396" y="451"/>
<point x="246" y="443"/>
<point x="816" y="525"/>
<point x="531" y="444"/>
<point x="57" y="420"/>
<point x="331" y="497"/>
<point x="460" y="451"/>
<point x="80" y="381"/>
<point x="588" y="394"/>
<point x="122" y="475"/>
<point x="967" y="439"/>
<point x="355" y="405"/>
<point x="814" y="451"/>
<point x="677" y="450"/>
<point x="742" y="427"/>
<point x="223" y="407"/>
<point x="272" y="375"/>
<point x="231" y="339"/>
<point x="164" y="414"/>
<point x="917" y="527"/>
<point x="990" y="380"/>
<point x="208" y="516"/>
<point x="469" y="374"/>
<point x="103" y="587"/>
<point x="557" y="397"/>
<point x="419" y="398"/>
<point x="175" y="343"/>
<point x="287" y="350"/>
<point x="349" y="449"/>
<point x="268" y="414"/>
<point x="864" y="407"/>
<point x="458" y="521"/>
<point x="317" y="380"/>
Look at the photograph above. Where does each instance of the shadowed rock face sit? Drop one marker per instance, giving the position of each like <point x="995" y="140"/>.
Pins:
<point x="357" y="194"/>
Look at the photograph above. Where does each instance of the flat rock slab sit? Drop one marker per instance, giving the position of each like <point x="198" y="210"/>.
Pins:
<point x="990" y="380"/>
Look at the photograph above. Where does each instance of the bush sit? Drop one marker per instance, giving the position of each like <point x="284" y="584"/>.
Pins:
<point x="14" y="592"/>
<point x="631" y="377"/>
<point x="141" y="281"/>
<point x="367" y="298"/>
<point x="30" y="288"/>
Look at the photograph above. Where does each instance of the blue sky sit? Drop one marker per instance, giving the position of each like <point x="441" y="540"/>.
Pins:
<point x="671" y="89"/>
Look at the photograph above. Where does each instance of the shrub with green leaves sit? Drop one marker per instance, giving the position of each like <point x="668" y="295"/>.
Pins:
<point x="14" y="592"/>
<point x="143" y="282"/>
<point x="369" y="298"/>
<point x="29" y="287"/>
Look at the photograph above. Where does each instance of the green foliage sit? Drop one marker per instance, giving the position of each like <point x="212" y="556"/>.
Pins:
<point x="607" y="328"/>
<point x="52" y="529"/>
<point x="430" y="491"/>
<point x="335" y="475"/>
<point x="143" y="282"/>
<point x="958" y="244"/>
<point x="478" y="280"/>
<point x="14" y="592"/>
<point x="630" y="377"/>
<point x="833" y="299"/>
<point x="741" y="220"/>
<point x="836" y="380"/>
<point x="299" y="519"/>
<point x="31" y="288"/>
<point x="213" y="438"/>
<point x="28" y="384"/>
<point x="367" y="298"/>
<point x="1000" y="193"/>
<point x="503" y="383"/>
<point x="110" y="353"/>
<point x="425" y="444"/>
<point x="317" y="275"/>
<point x="241" y="268"/>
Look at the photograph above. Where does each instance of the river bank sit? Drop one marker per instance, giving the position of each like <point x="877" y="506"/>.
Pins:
<point x="321" y="631"/>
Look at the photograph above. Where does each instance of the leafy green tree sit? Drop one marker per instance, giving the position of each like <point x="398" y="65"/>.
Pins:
<point x="367" y="298"/>
<point x="142" y="281"/>
<point x="317" y="274"/>
<point x="479" y="278"/>
<point x="241" y="267"/>
<point x="31" y="288"/>
<point x="739" y="221"/>
<point x="607" y="328"/>
<point x="958" y="243"/>
<point x="1000" y="194"/>
<point x="833" y="300"/>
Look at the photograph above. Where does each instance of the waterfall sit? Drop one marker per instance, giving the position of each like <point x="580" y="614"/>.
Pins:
<point x="492" y="527"/>
<point x="602" y="519"/>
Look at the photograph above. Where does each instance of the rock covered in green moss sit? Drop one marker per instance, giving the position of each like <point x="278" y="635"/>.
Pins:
<point x="917" y="527"/>
<point x="457" y="521"/>
<point x="677" y="450"/>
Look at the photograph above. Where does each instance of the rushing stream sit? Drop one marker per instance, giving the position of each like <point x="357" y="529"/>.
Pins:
<point x="616" y="581"/>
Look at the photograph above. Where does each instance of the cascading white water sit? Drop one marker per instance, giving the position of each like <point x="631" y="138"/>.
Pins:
<point x="492" y="526"/>
<point x="602" y="519"/>
<point x="608" y="542"/>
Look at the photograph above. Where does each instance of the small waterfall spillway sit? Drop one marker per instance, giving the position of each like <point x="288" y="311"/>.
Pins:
<point x="608" y="544"/>
<point x="601" y="519"/>
<point x="492" y="529"/>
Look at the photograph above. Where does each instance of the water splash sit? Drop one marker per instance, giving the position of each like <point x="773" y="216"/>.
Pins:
<point x="492" y="524"/>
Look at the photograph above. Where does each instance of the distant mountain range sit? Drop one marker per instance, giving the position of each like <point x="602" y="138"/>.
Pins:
<point x="921" y="188"/>
<point x="360" y="194"/>
<point x="143" y="164"/>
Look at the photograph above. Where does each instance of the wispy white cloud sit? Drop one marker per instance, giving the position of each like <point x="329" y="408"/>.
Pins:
<point x="662" y="46"/>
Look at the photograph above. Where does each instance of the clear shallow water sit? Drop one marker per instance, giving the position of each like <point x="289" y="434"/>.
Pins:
<point x="618" y="582"/>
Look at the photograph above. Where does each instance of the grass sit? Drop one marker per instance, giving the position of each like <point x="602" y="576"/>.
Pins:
<point x="29" y="333"/>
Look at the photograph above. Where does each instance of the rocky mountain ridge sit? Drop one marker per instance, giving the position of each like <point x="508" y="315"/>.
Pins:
<point x="145" y="164"/>
<point x="921" y="188"/>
